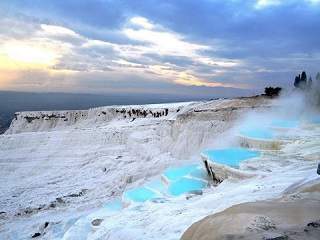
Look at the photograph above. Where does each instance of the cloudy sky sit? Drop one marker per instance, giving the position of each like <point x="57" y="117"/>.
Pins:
<point x="156" y="46"/>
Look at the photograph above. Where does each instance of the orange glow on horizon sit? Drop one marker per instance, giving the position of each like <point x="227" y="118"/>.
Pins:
<point x="16" y="57"/>
<point x="7" y="77"/>
<point x="19" y="55"/>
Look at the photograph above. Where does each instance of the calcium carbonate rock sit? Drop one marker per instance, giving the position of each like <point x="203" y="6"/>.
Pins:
<point x="224" y="163"/>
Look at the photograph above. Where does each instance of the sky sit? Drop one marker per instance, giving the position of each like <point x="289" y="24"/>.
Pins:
<point x="165" y="47"/>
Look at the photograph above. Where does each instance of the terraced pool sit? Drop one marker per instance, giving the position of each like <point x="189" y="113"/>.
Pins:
<point x="157" y="186"/>
<point x="140" y="194"/>
<point x="179" y="180"/>
<point x="230" y="156"/>
<point x="285" y="124"/>
<point x="115" y="205"/>
<point x="185" y="185"/>
<point x="315" y="120"/>
<point x="259" y="133"/>
<point x="174" y="174"/>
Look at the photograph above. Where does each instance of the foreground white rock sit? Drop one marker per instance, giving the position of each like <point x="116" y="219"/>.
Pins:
<point x="294" y="216"/>
<point x="63" y="173"/>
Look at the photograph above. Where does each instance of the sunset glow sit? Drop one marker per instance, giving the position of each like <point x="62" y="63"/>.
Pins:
<point x="19" y="54"/>
<point x="165" y="46"/>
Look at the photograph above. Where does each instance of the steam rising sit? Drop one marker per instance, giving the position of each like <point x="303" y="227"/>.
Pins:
<point x="296" y="106"/>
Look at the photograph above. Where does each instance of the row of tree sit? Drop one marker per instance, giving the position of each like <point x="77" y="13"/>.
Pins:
<point x="272" y="91"/>
<point x="311" y="88"/>
<point x="303" y="82"/>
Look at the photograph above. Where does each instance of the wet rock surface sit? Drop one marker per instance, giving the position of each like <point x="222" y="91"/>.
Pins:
<point x="35" y="235"/>
<point x="294" y="217"/>
<point x="97" y="222"/>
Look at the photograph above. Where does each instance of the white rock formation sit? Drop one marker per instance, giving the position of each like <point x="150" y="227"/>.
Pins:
<point x="59" y="169"/>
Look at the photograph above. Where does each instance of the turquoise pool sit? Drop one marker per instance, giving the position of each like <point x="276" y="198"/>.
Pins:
<point x="315" y="120"/>
<point x="185" y="185"/>
<point x="199" y="173"/>
<point x="185" y="179"/>
<point x="115" y="205"/>
<point x="230" y="156"/>
<point x="156" y="185"/>
<point x="174" y="174"/>
<point x="260" y="133"/>
<point x="140" y="194"/>
<point x="181" y="180"/>
<point x="285" y="123"/>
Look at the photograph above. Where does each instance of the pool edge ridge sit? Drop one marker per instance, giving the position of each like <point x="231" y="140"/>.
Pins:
<point x="219" y="172"/>
<point x="260" y="143"/>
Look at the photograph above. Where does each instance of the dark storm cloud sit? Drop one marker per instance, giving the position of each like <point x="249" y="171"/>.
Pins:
<point x="254" y="31"/>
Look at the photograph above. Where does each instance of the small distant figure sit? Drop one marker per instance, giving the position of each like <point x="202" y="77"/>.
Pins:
<point x="318" y="170"/>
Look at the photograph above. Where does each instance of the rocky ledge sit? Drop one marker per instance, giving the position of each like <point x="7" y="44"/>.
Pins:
<point x="294" y="216"/>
